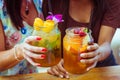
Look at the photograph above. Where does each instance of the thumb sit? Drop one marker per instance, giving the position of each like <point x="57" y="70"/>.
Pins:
<point x="92" y="66"/>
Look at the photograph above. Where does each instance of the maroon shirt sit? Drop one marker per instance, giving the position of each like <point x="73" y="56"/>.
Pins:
<point x="110" y="16"/>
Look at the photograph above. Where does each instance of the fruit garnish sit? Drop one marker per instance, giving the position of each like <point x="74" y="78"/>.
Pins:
<point x="48" y="26"/>
<point x="74" y="51"/>
<point x="83" y="49"/>
<point x="38" y="23"/>
<point x="81" y="33"/>
<point x="75" y="45"/>
<point x="76" y="31"/>
<point x="86" y="30"/>
<point x="66" y="46"/>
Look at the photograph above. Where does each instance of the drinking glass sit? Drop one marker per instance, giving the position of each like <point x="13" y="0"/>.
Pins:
<point x="51" y="40"/>
<point x="75" y="42"/>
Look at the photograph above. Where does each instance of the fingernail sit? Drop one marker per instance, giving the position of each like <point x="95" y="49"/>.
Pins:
<point x="38" y="38"/>
<point x="67" y="76"/>
<point x="81" y="55"/>
<point x="66" y="72"/>
<point x="43" y="56"/>
<point x="61" y="76"/>
<point x="88" y="48"/>
<point x="82" y="61"/>
<point x="88" y="69"/>
<point x="44" y="50"/>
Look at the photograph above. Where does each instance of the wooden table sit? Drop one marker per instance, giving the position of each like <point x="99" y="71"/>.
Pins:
<point x="104" y="73"/>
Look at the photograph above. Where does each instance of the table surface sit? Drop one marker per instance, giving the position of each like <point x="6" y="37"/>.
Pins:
<point x="103" y="73"/>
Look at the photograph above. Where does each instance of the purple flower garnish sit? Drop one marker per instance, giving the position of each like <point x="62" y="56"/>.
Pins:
<point x="57" y="18"/>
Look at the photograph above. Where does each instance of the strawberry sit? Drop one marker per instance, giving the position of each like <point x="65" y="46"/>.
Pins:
<point x="81" y="33"/>
<point x="76" y="31"/>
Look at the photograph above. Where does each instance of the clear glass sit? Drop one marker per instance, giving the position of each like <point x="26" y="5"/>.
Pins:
<point x="73" y="46"/>
<point x="52" y="42"/>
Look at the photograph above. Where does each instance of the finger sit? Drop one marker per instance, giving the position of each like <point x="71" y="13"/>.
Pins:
<point x="92" y="47"/>
<point x="34" y="48"/>
<point x="32" y="38"/>
<point x="63" y="72"/>
<point x="88" y="55"/>
<point x="31" y="61"/>
<point x="67" y="76"/>
<point x="92" y="66"/>
<point x="50" y="72"/>
<point x="61" y="68"/>
<point x="36" y="56"/>
<point x="89" y="61"/>
<point x="54" y="70"/>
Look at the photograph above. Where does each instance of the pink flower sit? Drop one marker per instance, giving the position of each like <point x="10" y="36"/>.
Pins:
<point x="15" y="37"/>
<point x="57" y="18"/>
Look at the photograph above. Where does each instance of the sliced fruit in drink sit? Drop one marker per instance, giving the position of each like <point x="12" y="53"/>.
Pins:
<point x="38" y="23"/>
<point x="48" y="26"/>
<point x="83" y="49"/>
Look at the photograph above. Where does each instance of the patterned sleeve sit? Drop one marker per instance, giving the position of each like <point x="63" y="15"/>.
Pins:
<point x="1" y="6"/>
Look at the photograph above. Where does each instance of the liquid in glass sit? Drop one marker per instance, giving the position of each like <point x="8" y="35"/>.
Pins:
<point x="75" y="42"/>
<point x="51" y="40"/>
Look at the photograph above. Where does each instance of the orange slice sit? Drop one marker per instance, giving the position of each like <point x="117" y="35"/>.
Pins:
<point x="83" y="49"/>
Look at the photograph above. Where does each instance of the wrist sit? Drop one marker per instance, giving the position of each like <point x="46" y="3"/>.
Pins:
<point x="103" y="53"/>
<point x="18" y="53"/>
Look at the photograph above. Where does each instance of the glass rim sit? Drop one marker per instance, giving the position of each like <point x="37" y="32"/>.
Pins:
<point x="68" y="30"/>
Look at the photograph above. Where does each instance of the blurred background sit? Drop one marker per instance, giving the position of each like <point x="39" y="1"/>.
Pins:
<point x="116" y="45"/>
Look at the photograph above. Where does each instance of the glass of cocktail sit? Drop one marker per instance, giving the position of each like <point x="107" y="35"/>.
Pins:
<point x="51" y="40"/>
<point x="75" y="42"/>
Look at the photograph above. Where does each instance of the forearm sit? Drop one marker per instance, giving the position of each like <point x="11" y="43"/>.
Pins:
<point x="105" y="37"/>
<point x="7" y="59"/>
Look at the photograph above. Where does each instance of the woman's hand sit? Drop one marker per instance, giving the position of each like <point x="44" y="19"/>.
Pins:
<point x="59" y="70"/>
<point x="91" y="57"/>
<point x="27" y="51"/>
<point x="96" y="53"/>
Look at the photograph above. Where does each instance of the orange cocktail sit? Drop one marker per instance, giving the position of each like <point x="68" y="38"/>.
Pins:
<point x="75" y="42"/>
